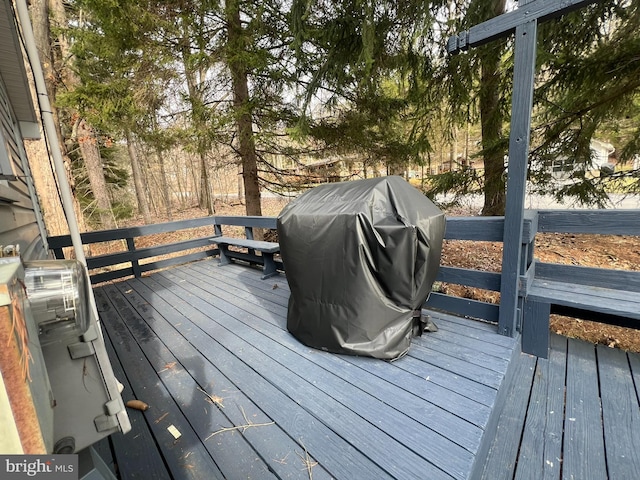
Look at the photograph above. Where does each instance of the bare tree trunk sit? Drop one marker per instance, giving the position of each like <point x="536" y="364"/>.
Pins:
<point x="240" y="184"/>
<point x="44" y="177"/>
<point x="143" y="205"/>
<point x="205" y="186"/>
<point x="85" y="133"/>
<point x="181" y="188"/>
<point x="242" y="107"/>
<point x="491" y="122"/>
<point x="395" y="169"/>
<point x="145" y="169"/>
<point x="205" y="198"/>
<point x="196" y="182"/>
<point x="93" y="162"/>
<point x="164" y="185"/>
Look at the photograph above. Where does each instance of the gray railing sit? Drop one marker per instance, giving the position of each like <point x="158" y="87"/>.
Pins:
<point x="593" y="222"/>
<point x="605" y="295"/>
<point x="134" y="261"/>
<point x="479" y="229"/>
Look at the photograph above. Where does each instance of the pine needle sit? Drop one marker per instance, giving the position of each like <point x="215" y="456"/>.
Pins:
<point x="306" y="461"/>
<point x="242" y="428"/>
<point x="213" y="398"/>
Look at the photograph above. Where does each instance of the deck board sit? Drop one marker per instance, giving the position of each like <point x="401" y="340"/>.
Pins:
<point x="456" y="389"/>
<point x="186" y="457"/>
<point x="504" y="448"/>
<point x="369" y="423"/>
<point x="222" y="330"/>
<point x="241" y="356"/>
<point x="135" y="454"/>
<point x="620" y="414"/>
<point x="582" y="417"/>
<point x="463" y="401"/>
<point x="583" y="449"/>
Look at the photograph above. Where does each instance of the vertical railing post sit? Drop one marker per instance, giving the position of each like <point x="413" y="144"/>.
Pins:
<point x="248" y="233"/>
<point x="519" y="138"/>
<point x="135" y="265"/>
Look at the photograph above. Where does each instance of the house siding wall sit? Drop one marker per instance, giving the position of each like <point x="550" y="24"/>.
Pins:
<point x="20" y="215"/>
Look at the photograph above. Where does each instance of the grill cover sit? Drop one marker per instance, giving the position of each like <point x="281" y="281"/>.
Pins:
<point x="360" y="258"/>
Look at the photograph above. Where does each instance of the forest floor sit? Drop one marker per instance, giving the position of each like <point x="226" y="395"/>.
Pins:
<point x="604" y="251"/>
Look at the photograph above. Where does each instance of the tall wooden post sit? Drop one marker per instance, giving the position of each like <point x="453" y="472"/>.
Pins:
<point x="521" y="105"/>
<point x="524" y="21"/>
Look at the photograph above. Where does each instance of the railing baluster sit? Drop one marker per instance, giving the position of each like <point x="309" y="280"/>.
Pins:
<point x="131" y="247"/>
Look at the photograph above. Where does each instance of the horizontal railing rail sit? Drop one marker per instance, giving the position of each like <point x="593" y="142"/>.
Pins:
<point x="478" y="229"/>
<point x="593" y="222"/>
<point x="128" y="262"/>
<point x="604" y="295"/>
<point x="135" y="260"/>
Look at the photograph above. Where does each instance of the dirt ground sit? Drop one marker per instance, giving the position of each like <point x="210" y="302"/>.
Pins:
<point x="604" y="251"/>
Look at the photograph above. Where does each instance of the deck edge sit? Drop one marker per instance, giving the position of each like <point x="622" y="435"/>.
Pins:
<point x="492" y="424"/>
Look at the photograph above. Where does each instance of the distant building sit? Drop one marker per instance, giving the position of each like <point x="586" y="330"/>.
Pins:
<point x="561" y="168"/>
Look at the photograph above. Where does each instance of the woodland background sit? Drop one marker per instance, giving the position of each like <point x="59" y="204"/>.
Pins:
<point x="176" y="106"/>
<point x="161" y="104"/>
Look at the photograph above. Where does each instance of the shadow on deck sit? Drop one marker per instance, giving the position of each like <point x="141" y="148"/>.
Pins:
<point x="207" y="348"/>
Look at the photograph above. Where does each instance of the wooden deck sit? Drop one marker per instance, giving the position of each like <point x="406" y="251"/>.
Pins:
<point x="572" y="416"/>
<point x="207" y="348"/>
<point x="280" y="409"/>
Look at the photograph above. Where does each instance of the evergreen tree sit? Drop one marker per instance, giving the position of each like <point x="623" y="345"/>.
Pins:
<point x="589" y="89"/>
<point x="364" y="63"/>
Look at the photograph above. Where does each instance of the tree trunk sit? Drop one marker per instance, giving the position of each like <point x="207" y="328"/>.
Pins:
<point x="491" y="119"/>
<point x="205" y="198"/>
<point x="196" y="185"/>
<point x="164" y="184"/>
<point x="241" y="102"/>
<point x="240" y="184"/>
<point x="205" y="186"/>
<point x="44" y="178"/>
<point x="395" y="169"/>
<point x="93" y="162"/>
<point x="143" y="205"/>
<point x="85" y="134"/>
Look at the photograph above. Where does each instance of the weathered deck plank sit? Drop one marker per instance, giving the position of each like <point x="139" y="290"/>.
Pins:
<point x="236" y="406"/>
<point x="582" y="419"/>
<point x="441" y="383"/>
<point x="146" y="385"/>
<point x="541" y="446"/>
<point x="290" y="370"/>
<point x="504" y="448"/>
<point x="223" y="330"/>
<point x="583" y="449"/>
<point x="192" y="323"/>
<point x="136" y="454"/>
<point x="620" y="414"/>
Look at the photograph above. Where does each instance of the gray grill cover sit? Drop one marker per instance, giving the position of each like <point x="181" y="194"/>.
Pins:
<point x="360" y="257"/>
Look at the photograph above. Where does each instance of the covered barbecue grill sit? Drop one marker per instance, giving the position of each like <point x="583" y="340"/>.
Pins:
<point x="360" y="258"/>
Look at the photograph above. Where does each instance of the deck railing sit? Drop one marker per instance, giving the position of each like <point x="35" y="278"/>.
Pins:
<point x="134" y="261"/>
<point x="479" y="229"/>
<point x="591" y="222"/>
